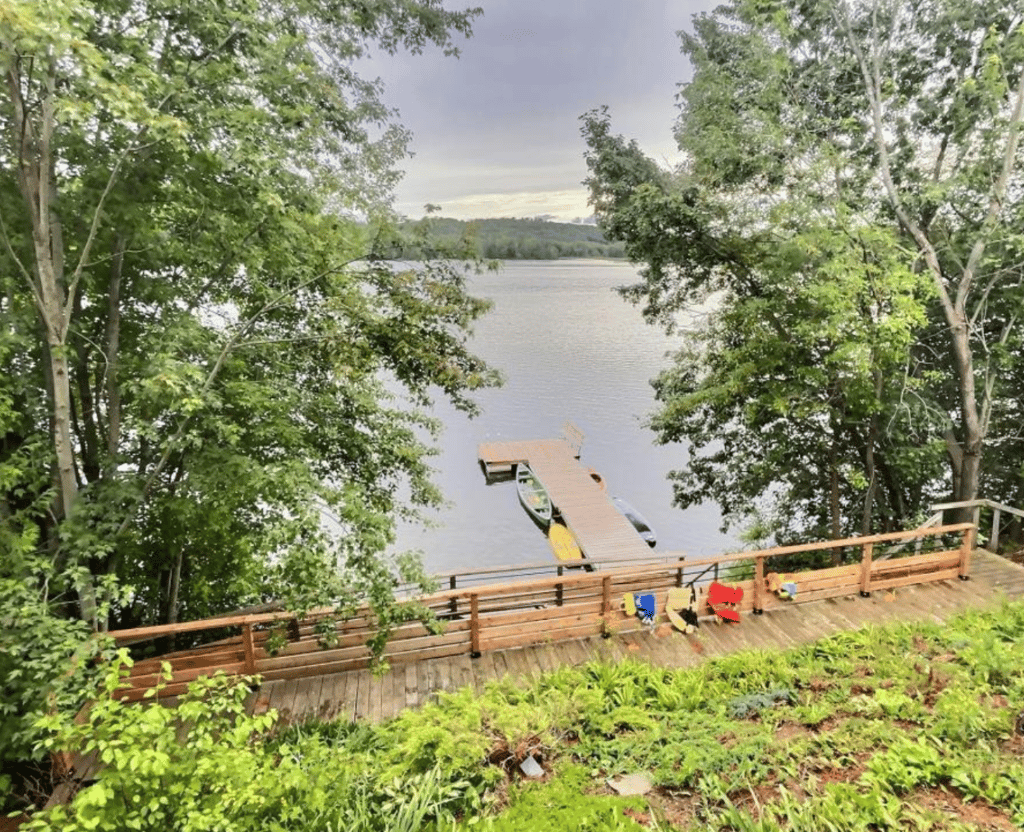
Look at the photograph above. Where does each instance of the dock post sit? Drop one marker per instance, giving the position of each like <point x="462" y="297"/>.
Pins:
<point x="606" y="603"/>
<point x="559" y="589"/>
<point x="453" y="604"/>
<point x="965" y="551"/>
<point x="249" y="648"/>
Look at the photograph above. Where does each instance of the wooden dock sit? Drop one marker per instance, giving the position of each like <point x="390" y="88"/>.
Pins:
<point x="600" y="530"/>
<point x="559" y="607"/>
<point x="361" y="695"/>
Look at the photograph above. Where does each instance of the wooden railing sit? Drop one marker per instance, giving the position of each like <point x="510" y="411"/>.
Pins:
<point x="463" y="578"/>
<point x="998" y="509"/>
<point x="502" y="615"/>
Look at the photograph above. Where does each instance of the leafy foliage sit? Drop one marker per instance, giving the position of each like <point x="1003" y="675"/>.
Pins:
<point x="852" y="170"/>
<point x="225" y="327"/>
<point x="753" y="703"/>
<point x="44" y="662"/>
<point x="216" y="388"/>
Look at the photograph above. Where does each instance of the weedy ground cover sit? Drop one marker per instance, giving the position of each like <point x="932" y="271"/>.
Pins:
<point x="910" y="726"/>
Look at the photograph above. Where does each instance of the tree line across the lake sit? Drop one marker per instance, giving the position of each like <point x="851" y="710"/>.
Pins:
<point x="205" y="301"/>
<point x="508" y="239"/>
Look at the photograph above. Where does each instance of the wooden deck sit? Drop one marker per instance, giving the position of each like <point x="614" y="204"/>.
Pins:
<point x="600" y="530"/>
<point x="361" y="695"/>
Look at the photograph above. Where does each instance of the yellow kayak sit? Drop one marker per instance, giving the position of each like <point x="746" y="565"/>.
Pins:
<point x="563" y="544"/>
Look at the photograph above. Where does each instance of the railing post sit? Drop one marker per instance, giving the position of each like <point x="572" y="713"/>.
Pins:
<point x="965" y="552"/>
<point x="994" y="543"/>
<point x="758" y="584"/>
<point x="606" y="603"/>
<point x="474" y="626"/>
<point x="865" y="569"/>
<point x="558" y="590"/>
<point x="679" y="573"/>
<point x="453" y="604"/>
<point x="249" y="648"/>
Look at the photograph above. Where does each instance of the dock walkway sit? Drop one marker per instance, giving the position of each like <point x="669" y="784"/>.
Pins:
<point x="600" y="530"/>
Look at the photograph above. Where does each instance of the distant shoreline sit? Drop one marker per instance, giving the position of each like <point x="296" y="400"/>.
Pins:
<point x="514" y="239"/>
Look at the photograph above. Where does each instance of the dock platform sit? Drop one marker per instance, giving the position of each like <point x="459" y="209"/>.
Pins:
<point x="600" y="530"/>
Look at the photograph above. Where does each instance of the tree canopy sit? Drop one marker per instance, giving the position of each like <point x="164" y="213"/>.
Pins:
<point x="851" y="197"/>
<point x="205" y="353"/>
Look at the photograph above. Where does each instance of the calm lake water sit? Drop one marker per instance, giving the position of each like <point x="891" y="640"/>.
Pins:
<point x="571" y="350"/>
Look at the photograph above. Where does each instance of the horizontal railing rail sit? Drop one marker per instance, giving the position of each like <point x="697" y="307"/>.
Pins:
<point x="455" y="579"/>
<point x="930" y="523"/>
<point x="506" y="614"/>
<point x="998" y="509"/>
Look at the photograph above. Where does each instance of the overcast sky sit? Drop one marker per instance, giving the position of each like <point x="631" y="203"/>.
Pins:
<point x="496" y="131"/>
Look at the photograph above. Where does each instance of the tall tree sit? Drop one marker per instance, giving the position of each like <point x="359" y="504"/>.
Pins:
<point x="788" y="388"/>
<point x="944" y="88"/>
<point x="199" y="331"/>
<point x="893" y="127"/>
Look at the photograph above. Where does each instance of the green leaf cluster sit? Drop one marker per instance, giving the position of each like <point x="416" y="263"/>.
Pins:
<point x="217" y="390"/>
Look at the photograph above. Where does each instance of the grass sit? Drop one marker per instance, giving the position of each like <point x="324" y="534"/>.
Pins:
<point x="905" y="727"/>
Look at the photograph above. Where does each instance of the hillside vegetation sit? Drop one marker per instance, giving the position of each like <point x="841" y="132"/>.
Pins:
<point x="912" y="726"/>
<point x="517" y="239"/>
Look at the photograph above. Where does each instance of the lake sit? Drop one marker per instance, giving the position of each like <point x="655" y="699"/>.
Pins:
<point x="571" y="349"/>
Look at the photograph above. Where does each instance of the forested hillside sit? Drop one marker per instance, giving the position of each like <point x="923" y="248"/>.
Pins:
<point x="518" y="239"/>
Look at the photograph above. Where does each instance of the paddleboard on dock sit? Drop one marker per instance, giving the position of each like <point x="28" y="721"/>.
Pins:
<point x="563" y="544"/>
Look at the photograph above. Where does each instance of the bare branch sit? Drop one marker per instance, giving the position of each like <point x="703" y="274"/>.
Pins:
<point x="990" y="377"/>
<point x="134" y="146"/>
<point x="873" y="88"/>
<point x="91" y="238"/>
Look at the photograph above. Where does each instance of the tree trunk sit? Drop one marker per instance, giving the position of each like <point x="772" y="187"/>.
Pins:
<point x="835" y="510"/>
<point x="973" y="434"/>
<point x="37" y="182"/>
<point x="174" y="588"/>
<point x="973" y="427"/>
<point x="869" y="461"/>
<point x="113" y="354"/>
